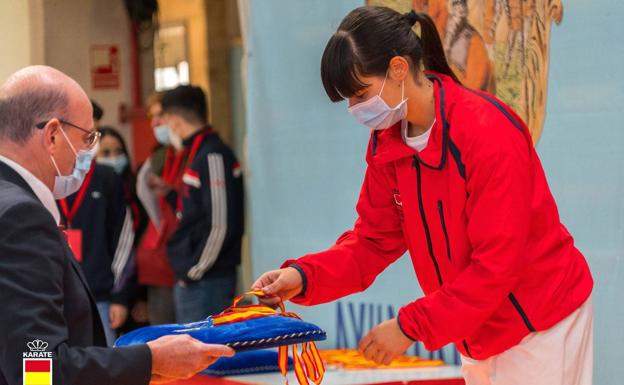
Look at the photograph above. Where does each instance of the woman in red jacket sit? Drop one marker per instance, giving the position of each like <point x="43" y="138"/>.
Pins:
<point x="453" y="178"/>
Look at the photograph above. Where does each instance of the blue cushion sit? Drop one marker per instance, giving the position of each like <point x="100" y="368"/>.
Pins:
<point x="258" y="333"/>
<point x="253" y="362"/>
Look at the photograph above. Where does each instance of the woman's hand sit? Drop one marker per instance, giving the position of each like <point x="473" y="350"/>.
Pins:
<point x="385" y="342"/>
<point x="279" y="285"/>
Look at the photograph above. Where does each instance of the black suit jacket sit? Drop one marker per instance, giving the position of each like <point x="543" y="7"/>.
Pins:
<point x="44" y="296"/>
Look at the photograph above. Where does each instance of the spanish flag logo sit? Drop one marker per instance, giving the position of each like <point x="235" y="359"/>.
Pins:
<point x="37" y="371"/>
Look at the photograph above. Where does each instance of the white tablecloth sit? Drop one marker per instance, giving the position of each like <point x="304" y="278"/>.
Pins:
<point x="359" y="377"/>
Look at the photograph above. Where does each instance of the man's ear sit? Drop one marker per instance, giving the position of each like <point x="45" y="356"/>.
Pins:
<point x="51" y="134"/>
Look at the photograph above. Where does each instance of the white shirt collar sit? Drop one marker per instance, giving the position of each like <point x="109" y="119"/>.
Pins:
<point x="418" y="142"/>
<point x="40" y="189"/>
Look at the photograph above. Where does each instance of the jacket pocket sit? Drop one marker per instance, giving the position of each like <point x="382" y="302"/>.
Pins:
<point x="443" y="223"/>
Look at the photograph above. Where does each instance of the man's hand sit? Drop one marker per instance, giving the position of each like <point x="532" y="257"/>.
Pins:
<point x="279" y="285"/>
<point x="385" y="342"/>
<point x="181" y="357"/>
<point x="117" y="314"/>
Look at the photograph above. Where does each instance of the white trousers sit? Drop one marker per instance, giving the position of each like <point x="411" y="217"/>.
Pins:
<point x="561" y="355"/>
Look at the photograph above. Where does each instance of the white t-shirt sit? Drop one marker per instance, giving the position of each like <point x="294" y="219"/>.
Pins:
<point x="419" y="142"/>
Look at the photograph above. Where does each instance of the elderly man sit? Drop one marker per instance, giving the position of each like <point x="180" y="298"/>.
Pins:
<point x="47" y="142"/>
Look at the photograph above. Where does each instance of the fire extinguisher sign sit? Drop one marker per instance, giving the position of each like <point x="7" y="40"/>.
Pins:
<point x="104" y="62"/>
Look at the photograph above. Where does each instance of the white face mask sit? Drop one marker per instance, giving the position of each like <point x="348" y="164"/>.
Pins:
<point x="375" y="112"/>
<point x="162" y="134"/>
<point x="65" y="185"/>
<point x="118" y="163"/>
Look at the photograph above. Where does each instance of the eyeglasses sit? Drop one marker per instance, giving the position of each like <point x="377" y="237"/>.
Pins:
<point x="89" y="140"/>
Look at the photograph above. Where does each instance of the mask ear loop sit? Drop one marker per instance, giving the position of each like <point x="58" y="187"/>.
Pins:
<point x="383" y="84"/>
<point x="58" y="171"/>
<point x="402" y="87"/>
<point x="55" y="166"/>
<point x="69" y="142"/>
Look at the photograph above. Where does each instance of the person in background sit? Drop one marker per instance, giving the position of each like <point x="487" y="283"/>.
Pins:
<point x="205" y="249"/>
<point x="101" y="233"/>
<point x="98" y="112"/>
<point x="154" y="183"/>
<point x="113" y="152"/>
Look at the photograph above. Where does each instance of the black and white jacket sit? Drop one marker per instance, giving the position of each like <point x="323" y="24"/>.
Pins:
<point x="107" y="236"/>
<point x="208" y="239"/>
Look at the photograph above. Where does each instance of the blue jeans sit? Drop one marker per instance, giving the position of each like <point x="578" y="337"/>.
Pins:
<point x="103" y="308"/>
<point x="197" y="300"/>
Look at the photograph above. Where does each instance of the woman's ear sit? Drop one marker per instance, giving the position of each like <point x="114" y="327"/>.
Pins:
<point x="399" y="68"/>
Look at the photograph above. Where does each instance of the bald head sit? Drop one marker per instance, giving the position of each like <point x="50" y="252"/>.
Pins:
<point x="35" y="94"/>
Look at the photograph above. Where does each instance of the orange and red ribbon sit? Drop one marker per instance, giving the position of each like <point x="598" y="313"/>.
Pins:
<point x="308" y="366"/>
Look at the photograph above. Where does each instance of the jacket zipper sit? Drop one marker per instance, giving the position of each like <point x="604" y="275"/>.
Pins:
<point x="424" y="220"/>
<point x="446" y="237"/>
<point x="448" y="250"/>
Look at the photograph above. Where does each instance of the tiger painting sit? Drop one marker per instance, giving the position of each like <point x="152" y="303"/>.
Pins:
<point x="498" y="46"/>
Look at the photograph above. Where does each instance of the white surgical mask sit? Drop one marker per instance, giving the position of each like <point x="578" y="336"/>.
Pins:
<point x="118" y="163"/>
<point x="162" y="134"/>
<point x="66" y="185"/>
<point x="375" y="112"/>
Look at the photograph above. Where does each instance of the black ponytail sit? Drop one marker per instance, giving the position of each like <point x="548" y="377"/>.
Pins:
<point x="368" y="38"/>
<point x="433" y="56"/>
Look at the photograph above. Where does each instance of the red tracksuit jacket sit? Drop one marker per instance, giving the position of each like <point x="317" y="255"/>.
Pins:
<point x="475" y="213"/>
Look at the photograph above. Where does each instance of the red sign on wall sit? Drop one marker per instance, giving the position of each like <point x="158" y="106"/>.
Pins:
<point x="104" y="62"/>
